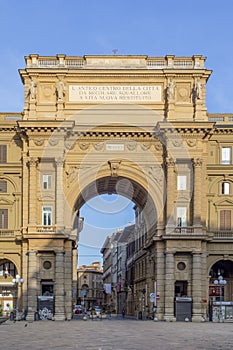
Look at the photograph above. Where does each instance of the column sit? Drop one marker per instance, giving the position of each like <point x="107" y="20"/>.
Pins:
<point x="32" y="284"/>
<point x="197" y="164"/>
<point x="68" y="281"/>
<point x="74" y="275"/>
<point x="59" y="193"/>
<point x="169" y="287"/>
<point x="171" y="185"/>
<point x="160" y="276"/>
<point x="59" y="287"/>
<point x="197" y="287"/>
<point x="32" y="205"/>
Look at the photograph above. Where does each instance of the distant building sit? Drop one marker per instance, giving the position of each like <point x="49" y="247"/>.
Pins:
<point x="90" y="285"/>
<point x="114" y="253"/>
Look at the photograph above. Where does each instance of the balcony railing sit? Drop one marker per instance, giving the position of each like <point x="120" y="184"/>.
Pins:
<point x="5" y="233"/>
<point x="44" y="228"/>
<point x="222" y="234"/>
<point x="185" y="230"/>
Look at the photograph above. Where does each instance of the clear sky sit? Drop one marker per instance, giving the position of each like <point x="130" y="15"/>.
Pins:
<point x="150" y="27"/>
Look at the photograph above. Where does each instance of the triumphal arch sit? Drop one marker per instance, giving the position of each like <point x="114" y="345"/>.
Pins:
<point x="133" y="125"/>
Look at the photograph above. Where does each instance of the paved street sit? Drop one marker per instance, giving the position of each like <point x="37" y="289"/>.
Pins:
<point x="115" y="335"/>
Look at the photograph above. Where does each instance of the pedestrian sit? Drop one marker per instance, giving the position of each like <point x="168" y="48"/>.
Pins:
<point x="123" y="313"/>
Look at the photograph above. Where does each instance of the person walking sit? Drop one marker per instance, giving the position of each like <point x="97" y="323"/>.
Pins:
<point x="123" y="313"/>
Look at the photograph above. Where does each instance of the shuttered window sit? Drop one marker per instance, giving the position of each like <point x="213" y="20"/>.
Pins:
<point x="2" y="153"/>
<point x="225" y="219"/>
<point x="3" y="186"/>
<point x="3" y="218"/>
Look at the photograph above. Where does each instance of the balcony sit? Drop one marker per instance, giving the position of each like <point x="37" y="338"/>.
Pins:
<point x="223" y="234"/>
<point x="5" y="233"/>
<point x="185" y="230"/>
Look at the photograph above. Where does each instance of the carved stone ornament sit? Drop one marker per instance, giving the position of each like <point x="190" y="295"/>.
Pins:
<point x="145" y="145"/>
<point x="71" y="174"/>
<point x="131" y="145"/>
<point x="38" y="142"/>
<point x="177" y="142"/>
<point x="158" y="146"/>
<point x="157" y="173"/>
<point x="84" y="146"/>
<point x="170" y="162"/>
<point x="69" y="144"/>
<point x="191" y="142"/>
<point x="53" y="141"/>
<point x="114" y="167"/>
<point x="99" y="146"/>
<point x="197" y="162"/>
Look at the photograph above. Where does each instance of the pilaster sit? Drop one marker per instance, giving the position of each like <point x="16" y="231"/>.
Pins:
<point x="59" y="287"/>
<point x="59" y="193"/>
<point x="197" y="164"/>
<point x="169" y="287"/>
<point x="32" y="191"/>
<point x="32" y="286"/>
<point x="197" y="287"/>
<point x="170" y="222"/>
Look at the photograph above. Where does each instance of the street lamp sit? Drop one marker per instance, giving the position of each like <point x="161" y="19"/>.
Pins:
<point x="16" y="282"/>
<point x="220" y="282"/>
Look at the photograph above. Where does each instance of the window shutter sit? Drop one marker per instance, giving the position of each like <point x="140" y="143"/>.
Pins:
<point x="3" y="186"/>
<point x="225" y="219"/>
<point x="3" y="218"/>
<point x="2" y="153"/>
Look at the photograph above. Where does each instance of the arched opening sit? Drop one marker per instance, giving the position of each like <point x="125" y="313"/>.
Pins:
<point x="136" y="226"/>
<point x="8" y="272"/>
<point x="221" y="291"/>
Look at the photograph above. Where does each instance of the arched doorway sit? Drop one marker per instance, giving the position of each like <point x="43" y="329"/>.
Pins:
<point x="221" y="291"/>
<point x="8" y="295"/>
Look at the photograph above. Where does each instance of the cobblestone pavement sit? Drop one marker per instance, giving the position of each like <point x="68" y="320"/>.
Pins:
<point x="115" y="335"/>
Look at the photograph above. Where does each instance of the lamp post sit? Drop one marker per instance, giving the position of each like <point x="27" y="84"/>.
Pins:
<point x="16" y="282"/>
<point x="220" y="282"/>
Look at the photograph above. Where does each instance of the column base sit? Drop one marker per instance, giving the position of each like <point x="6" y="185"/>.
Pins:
<point x="30" y="316"/>
<point x="59" y="317"/>
<point x="169" y="318"/>
<point x="198" y="318"/>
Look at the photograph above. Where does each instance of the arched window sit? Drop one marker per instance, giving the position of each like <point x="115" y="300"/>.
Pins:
<point x="7" y="268"/>
<point x="225" y="187"/>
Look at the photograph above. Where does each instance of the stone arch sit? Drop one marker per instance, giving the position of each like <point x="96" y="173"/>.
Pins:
<point x="8" y="258"/>
<point x="140" y="187"/>
<point x="9" y="179"/>
<point x="217" y="181"/>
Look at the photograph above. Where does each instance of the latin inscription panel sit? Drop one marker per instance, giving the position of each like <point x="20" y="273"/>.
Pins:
<point x="115" y="93"/>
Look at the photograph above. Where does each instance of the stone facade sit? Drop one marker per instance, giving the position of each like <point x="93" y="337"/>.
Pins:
<point x="90" y="285"/>
<point x="133" y="125"/>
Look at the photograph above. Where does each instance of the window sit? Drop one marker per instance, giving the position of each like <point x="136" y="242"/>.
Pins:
<point x="3" y="186"/>
<point x="47" y="216"/>
<point x="181" y="216"/>
<point x="2" y="153"/>
<point x="7" y="269"/>
<point x="47" y="182"/>
<point x="3" y="218"/>
<point x="225" y="188"/>
<point x="181" y="182"/>
<point x="226" y="155"/>
<point x="225" y="219"/>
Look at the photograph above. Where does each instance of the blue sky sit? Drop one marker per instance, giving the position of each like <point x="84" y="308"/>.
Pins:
<point x="151" y="27"/>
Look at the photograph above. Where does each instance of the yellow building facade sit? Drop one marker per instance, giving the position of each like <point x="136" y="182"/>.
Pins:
<point x="133" y="125"/>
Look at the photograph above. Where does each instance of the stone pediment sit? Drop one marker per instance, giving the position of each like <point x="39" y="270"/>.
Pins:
<point x="6" y="201"/>
<point x="224" y="203"/>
